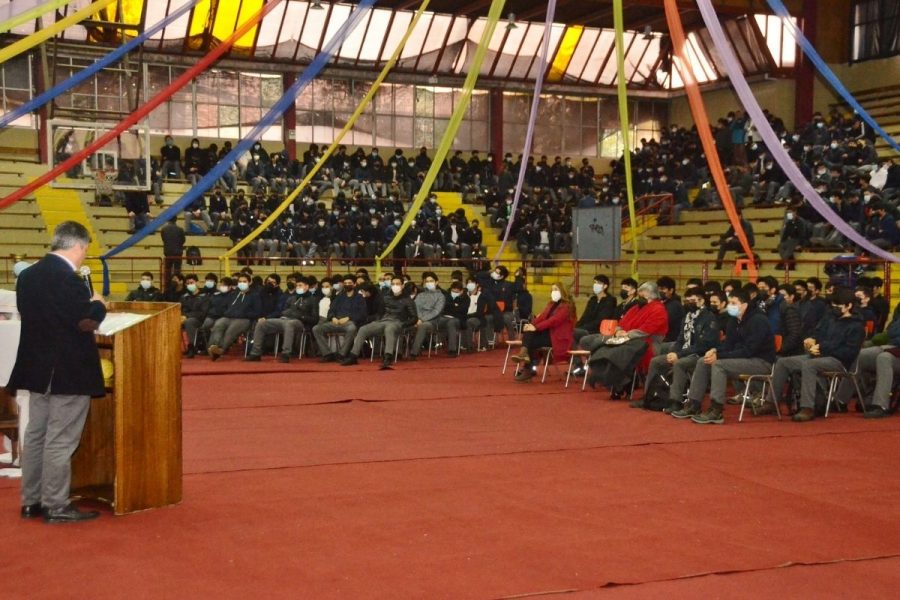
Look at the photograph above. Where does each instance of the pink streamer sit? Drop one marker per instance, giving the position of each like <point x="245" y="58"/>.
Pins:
<point x="532" y="119"/>
<point x="742" y="88"/>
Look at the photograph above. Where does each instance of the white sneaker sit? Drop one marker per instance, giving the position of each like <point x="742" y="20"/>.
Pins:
<point x="11" y="473"/>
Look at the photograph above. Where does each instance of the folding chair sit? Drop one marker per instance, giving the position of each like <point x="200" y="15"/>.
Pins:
<point x="834" y="378"/>
<point x="587" y="367"/>
<point x="510" y="344"/>
<point x="766" y="381"/>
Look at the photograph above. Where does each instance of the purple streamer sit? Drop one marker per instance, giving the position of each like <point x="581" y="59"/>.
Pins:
<point x="532" y="119"/>
<point x="742" y="88"/>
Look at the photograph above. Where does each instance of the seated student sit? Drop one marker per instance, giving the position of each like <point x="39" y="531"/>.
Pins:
<point x="749" y="347"/>
<point x="345" y="315"/>
<point x="699" y="332"/>
<point x="325" y="299"/>
<point x="477" y="316"/>
<point x="218" y="302"/>
<point x="882" y="363"/>
<point x="455" y="316"/>
<point x="145" y="292"/>
<point x="210" y="283"/>
<point x="672" y="302"/>
<point x="429" y="306"/>
<point x="863" y="302"/>
<point x="399" y="313"/>
<point x="194" y="306"/>
<point x="298" y="312"/>
<point x="629" y="297"/>
<point x="503" y="293"/>
<point x="552" y="328"/>
<point x="835" y="346"/>
<point x="717" y="302"/>
<point x="243" y="306"/>
<point x="790" y="325"/>
<point x="601" y="306"/>
<point x="640" y="330"/>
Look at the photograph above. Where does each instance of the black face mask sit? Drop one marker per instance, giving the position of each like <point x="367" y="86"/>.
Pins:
<point x="690" y="306"/>
<point x="623" y="295"/>
<point x="837" y="312"/>
<point x="641" y="301"/>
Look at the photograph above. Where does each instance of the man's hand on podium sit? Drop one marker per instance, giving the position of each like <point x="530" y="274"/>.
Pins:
<point x="98" y="298"/>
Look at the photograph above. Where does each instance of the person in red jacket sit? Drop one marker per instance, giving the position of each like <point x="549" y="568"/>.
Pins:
<point x="554" y="328"/>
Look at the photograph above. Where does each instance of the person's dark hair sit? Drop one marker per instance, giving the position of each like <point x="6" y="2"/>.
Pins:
<point x="742" y="296"/>
<point x="800" y="282"/>
<point x="735" y="284"/>
<point x="227" y="281"/>
<point x="257" y="281"/>
<point x="191" y="277"/>
<point x="601" y="278"/>
<point x="275" y="277"/>
<point x="866" y="290"/>
<point x="504" y="272"/>
<point x="243" y="276"/>
<point x="247" y="270"/>
<point x="362" y="271"/>
<point x="770" y="281"/>
<point x="347" y="277"/>
<point x="456" y="275"/>
<point x="147" y="274"/>
<point x="456" y="285"/>
<point x="750" y="288"/>
<point x="787" y="288"/>
<point x="816" y="283"/>
<point x="666" y="282"/>
<point x="876" y="282"/>
<point x="312" y="280"/>
<point x="428" y="274"/>
<point x="408" y="288"/>
<point x="68" y="234"/>
<point x="695" y="291"/>
<point x="712" y="286"/>
<point x="718" y="294"/>
<point x="178" y="276"/>
<point x="694" y="281"/>
<point x="630" y="282"/>
<point x="213" y="277"/>
<point x="842" y="296"/>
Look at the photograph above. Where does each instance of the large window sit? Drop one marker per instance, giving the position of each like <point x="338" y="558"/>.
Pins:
<point x="16" y="87"/>
<point x="564" y="124"/>
<point x="647" y="119"/>
<point x="876" y="29"/>
<point x="403" y="116"/>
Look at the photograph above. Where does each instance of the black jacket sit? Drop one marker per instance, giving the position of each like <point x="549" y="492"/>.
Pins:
<point x="139" y="294"/>
<point x="218" y="303"/>
<point x="750" y="337"/>
<point x="400" y="308"/>
<point x="791" y="330"/>
<point x="457" y="308"/>
<point x="195" y="306"/>
<point x="243" y="306"/>
<point x="303" y="307"/>
<point x="173" y="239"/>
<point x="841" y="338"/>
<point x="596" y="312"/>
<point x="675" y="310"/>
<point x="57" y="349"/>
<point x="704" y="337"/>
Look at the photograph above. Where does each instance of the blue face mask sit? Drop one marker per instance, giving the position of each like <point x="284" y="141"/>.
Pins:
<point x="733" y="310"/>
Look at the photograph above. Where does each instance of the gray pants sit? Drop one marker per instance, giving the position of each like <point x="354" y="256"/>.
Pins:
<point x="321" y="331"/>
<point x="474" y="324"/>
<point x="54" y="432"/>
<point x="681" y="376"/>
<point x="226" y="330"/>
<point x="883" y="365"/>
<point x="191" y="326"/>
<point x="809" y="368"/>
<point x="287" y="328"/>
<point x="453" y="327"/>
<point x="422" y="331"/>
<point x="716" y="376"/>
<point x="390" y="329"/>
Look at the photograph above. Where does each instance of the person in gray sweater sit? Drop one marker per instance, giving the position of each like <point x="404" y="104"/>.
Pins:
<point x="429" y="305"/>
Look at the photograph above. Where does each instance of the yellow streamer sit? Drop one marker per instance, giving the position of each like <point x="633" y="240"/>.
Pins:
<point x="458" y="113"/>
<point x="566" y="52"/>
<point x="332" y="148"/>
<point x="43" y="35"/>
<point x="623" y="119"/>
<point x="32" y="14"/>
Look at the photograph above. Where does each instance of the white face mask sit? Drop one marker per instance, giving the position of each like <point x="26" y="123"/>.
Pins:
<point x="243" y="286"/>
<point x="599" y="287"/>
<point x="471" y="287"/>
<point x="430" y="286"/>
<point x="146" y="283"/>
<point x="326" y="291"/>
<point x="454" y="295"/>
<point x="223" y="289"/>
<point x="301" y="290"/>
<point x="396" y="289"/>
<point x="556" y="295"/>
<point x="495" y="276"/>
<point x="209" y="284"/>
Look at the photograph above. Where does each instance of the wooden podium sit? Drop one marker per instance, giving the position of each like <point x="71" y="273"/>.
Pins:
<point x="130" y="452"/>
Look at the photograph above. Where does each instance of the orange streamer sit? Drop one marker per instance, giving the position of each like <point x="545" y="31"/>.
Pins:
<point x="698" y="110"/>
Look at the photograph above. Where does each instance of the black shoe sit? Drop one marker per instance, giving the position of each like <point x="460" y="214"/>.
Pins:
<point x="637" y="403"/>
<point x="191" y="352"/>
<point x="616" y="394"/>
<point x="252" y="358"/>
<point x="526" y="373"/>
<point x="32" y="511"/>
<point x="284" y="357"/>
<point x="387" y="362"/>
<point x="69" y="514"/>
<point x="413" y="357"/>
<point x="328" y="358"/>
<point x="873" y="412"/>
<point x="349" y="360"/>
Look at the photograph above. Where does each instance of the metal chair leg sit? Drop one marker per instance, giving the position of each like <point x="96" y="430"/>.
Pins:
<point x="569" y="372"/>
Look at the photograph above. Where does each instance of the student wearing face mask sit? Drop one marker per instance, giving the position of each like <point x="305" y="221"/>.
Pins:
<point x="145" y="292"/>
<point x="453" y="319"/>
<point x="243" y="308"/>
<point x="748" y="348"/>
<point x="628" y="296"/>
<point x="795" y="233"/>
<point x="346" y="314"/>
<point x="552" y="328"/>
<point x="211" y="281"/>
<point x="429" y="306"/>
<point x="399" y="313"/>
<point x="194" y="307"/>
<point x="195" y="162"/>
<point x="600" y="307"/>
<point x="170" y="154"/>
<point x="219" y="301"/>
<point x="479" y="307"/>
<point x="297" y="312"/>
<point x="834" y="347"/>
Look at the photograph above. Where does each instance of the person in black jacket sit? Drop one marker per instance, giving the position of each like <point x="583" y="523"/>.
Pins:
<point x="170" y="155"/>
<point x="601" y="306"/>
<point x="791" y="326"/>
<point x="173" y="240"/>
<point x="346" y="315"/>
<point x="835" y="346"/>
<point x="146" y="291"/>
<point x="729" y="241"/>
<point x="749" y="348"/>
<point x="399" y="313"/>
<point x="58" y="363"/>
<point x="219" y="301"/>
<point x="674" y="307"/>
<point x="195" y="162"/>
<point x="299" y="311"/>
<point x="812" y="308"/>
<point x="138" y="209"/>
<point x="194" y="306"/>
<point x="244" y="306"/>
<point x="629" y="297"/>
<point x="455" y="316"/>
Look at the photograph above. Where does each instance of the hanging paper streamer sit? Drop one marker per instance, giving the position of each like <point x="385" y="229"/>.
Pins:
<point x="779" y="154"/>
<point x="459" y="112"/>
<point x="698" y="110"/>
<point x="42" y="35"/>
<point x="141" y="112"/>
<point x="619" y="24"/>
<point x="532" y="119"/>
<point x="779" y="9"/>
<point x="12" y="20"/>
<point x="332" y="148"/>
<point x="269" y="119"/>
<point x="95" y="68"/>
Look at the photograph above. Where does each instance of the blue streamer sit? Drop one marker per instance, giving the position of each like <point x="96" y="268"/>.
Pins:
<point x="85" y="74"/>
<point x="779" y="9"/>
<point x="310" y="73"/>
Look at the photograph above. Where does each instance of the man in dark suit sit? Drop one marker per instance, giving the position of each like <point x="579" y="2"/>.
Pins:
<point x="58" y="363"/>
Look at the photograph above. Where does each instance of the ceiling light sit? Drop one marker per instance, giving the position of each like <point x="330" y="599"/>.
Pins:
<point x="317" y="5"/>
<point x="511" y="21"/>
<point x="648" y="33"/>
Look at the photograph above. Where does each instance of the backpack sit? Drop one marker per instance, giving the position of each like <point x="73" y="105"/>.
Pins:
<point x="656" y="396"/>
<point x="193" y="256"/>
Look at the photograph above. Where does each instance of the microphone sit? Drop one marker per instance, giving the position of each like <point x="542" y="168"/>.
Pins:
<point x="86" y="275"/>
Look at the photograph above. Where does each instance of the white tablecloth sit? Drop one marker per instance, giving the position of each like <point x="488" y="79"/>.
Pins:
<point x="9" y="344"/>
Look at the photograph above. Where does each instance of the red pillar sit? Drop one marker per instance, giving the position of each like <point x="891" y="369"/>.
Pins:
<point x="289" y="120"/>
<point x="805" y="75"/>
<point x="496" y="117"/>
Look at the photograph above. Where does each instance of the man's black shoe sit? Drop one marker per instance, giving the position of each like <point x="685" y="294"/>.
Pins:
<point x="349" y="360"/>
<point x="413" y="357"/>
<point x="252" y="358"/>
<point x="328" y="358"/>
<point x="191" y="352"/>
<point x="69" y="514"/>
<point x="284" y="357"/>
<point x="32" y="511"/>
<point x="873" y="412"/>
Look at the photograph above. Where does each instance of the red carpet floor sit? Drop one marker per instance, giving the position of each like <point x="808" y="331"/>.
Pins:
<point x="442" y="479"/>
